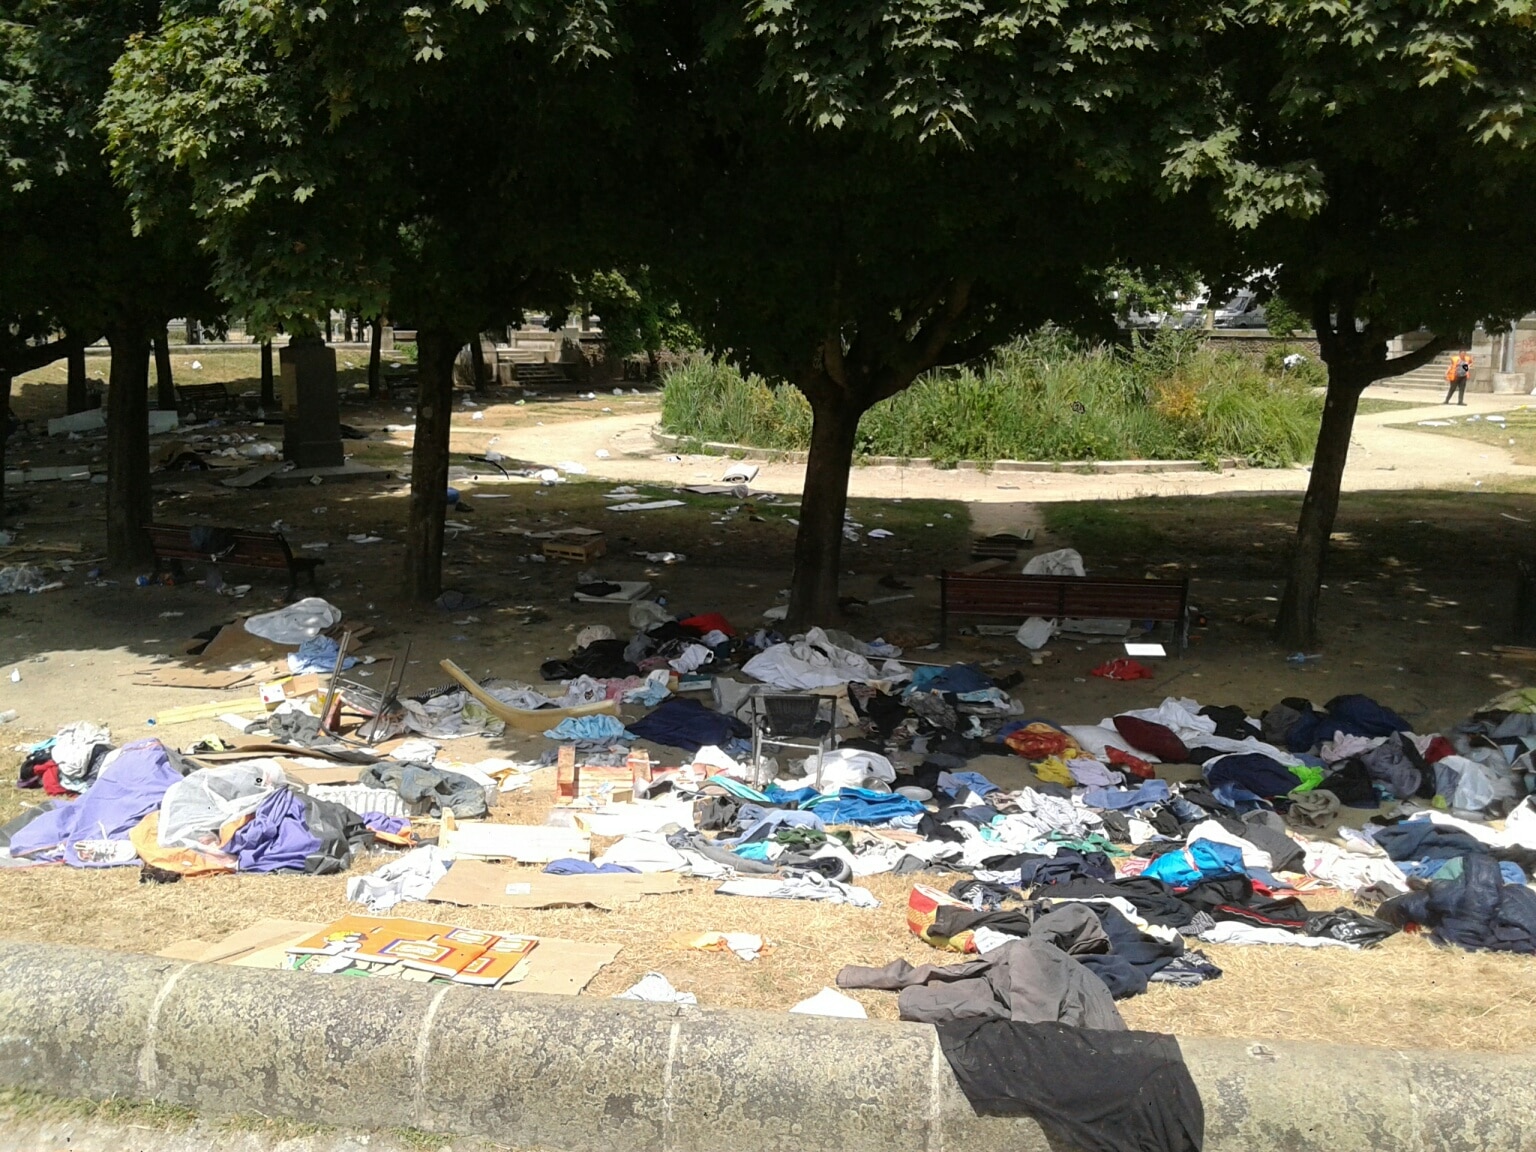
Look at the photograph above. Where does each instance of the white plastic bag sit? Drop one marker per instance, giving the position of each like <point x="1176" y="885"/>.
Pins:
<point x="1035" y="632"/>
<point x="295" y="623"/>
<point x="195" y="808"/>
<point x="1062" y="562"/>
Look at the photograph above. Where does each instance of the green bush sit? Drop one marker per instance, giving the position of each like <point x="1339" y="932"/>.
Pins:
<point x="1045" y="398"/>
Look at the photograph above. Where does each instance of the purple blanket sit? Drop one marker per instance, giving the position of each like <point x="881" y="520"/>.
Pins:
<point x="128" y="789"/>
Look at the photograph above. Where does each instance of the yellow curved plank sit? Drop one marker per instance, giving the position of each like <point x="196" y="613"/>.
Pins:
<point x="525" y="719"/>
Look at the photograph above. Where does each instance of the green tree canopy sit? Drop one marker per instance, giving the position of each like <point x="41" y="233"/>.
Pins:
<point x="74" y="260"/>
<point x="1379" y="159"/>
<point x="358" y="157"/>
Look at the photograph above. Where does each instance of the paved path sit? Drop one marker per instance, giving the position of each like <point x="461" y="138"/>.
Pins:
<point x="1381" y="457"/>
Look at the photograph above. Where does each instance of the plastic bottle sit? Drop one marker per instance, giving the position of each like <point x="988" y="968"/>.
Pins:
<point x="9" y="715"/>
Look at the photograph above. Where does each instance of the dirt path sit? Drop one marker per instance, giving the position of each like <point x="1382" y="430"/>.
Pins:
<point x="1381" y="457"/>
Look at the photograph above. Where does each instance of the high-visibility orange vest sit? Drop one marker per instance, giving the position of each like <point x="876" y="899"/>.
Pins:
<point x="1450" y="371"/>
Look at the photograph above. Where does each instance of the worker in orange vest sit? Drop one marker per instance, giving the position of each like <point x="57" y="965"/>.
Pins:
<point x="1456" y="375"/>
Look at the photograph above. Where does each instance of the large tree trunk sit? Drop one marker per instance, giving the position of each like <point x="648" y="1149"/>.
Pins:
<point x="268" y="381"/>
<point x="376" y="359"/>
<point x="77" y="394"/>
<point x="5" y="434"/>
<point x="165" y="384"/>
<point x="436" y="351"/>
<point x="1296" y="624"/>
<point x="129" y="501"/>
<point x="819" y="542"/>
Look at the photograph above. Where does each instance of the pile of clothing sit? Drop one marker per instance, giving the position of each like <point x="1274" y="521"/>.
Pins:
<point x="69" y="762"/>
<point x="149" y="806"/>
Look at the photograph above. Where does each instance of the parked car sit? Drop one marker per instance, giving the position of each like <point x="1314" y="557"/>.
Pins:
<point x="1243" y="310"/>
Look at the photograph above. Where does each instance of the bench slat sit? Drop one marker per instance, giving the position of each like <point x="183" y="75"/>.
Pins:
<point x="1017" y="596"/>
<point x="247" y="550"/>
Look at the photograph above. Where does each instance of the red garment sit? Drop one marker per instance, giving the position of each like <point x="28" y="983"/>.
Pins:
<point x="48" y="773"/>
<point x="1123" y="668"/>
<point x="1439" y="748"/>
<point x="709" y="622"/>
<point x="1135" y="765"/>
<point x="1038" y="741"/>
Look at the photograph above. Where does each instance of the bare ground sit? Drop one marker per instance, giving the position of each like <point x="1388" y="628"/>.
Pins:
<point x="1420" y="588"/>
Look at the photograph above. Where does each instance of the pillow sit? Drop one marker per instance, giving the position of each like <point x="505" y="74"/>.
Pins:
<point x="1097" y="739"/>
<point x="1145" y="736"/>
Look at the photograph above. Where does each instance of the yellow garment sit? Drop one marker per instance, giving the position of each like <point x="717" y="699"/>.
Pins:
<point x="145" y="836"/>
<point x="1054" y="771"/>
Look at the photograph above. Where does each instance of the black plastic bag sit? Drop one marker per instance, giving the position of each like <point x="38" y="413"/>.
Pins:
<point x="1350" y="927"/>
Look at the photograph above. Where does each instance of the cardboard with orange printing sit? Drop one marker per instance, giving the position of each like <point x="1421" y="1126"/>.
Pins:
<point x="553" y="967"/>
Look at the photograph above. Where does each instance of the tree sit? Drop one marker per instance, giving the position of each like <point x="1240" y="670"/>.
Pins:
<point x="635" y="320"/>
<point x="848" y="195"/>
<point x="75" y="261"/>
<point x="335" y="162"/>
<point x="1379" y="157"/>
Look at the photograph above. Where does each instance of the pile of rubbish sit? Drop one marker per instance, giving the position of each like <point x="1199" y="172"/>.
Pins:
<point x="1076" y="864"/>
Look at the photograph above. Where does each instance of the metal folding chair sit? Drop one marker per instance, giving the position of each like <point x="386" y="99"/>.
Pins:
<point x="801" y="722"/>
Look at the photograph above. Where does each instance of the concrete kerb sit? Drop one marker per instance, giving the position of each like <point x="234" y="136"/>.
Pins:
<point x="604" y="1076"/>
<point x="1084" y="467"/>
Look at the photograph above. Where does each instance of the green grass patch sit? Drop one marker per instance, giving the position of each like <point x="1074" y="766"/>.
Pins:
<point x="1516" y="433"/>
<point x="1252" y="536"/>
<point x="1045" y="398"/>
<point x="1371" y="405"/>
<point x="26" y="1104"/>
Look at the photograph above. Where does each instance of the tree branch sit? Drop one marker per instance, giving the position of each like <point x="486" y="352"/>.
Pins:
<point x="19" y="358"/>
<point x="928" y="344"/>
<point x="1398" y="365"/>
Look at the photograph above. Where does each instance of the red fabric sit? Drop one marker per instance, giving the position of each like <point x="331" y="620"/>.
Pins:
<point x="1038" y="741"/>
<point x="1123" y="668"/>
<point x="709" y="622"/>
<point x="1135" y="765"/>
<point x="1157" y="739"/>
<point x="1439" y="748"/>
<point x="48" y="772"/>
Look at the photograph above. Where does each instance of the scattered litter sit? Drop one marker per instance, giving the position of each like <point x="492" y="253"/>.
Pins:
<point x="22" y="578"/>
<point x="654" y="988"/>
<point x="831" y="1002"/>
<point x="744" y="945"/>
<point x="294" y="623"/>
<point x="647" y="506"/>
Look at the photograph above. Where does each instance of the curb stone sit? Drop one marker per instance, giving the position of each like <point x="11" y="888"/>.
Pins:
<point x="587" y="1075"/>
<point x="1084" y="467"/>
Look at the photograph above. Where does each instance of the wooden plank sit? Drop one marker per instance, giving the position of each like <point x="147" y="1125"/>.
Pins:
<point x="65" y="549"/>
<point x="525" y="719"/>
<point x="210" y="711"/>
<point x="254" y="475"/>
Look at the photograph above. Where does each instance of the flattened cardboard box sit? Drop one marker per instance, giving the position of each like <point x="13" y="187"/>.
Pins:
<point x="475" y="882"/>
<point x="555" y="968"/>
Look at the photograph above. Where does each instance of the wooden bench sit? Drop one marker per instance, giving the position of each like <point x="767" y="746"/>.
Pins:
<point x="1009" y="596"/>
<point x="173" y="543"/>
<point x="198" y="400"/>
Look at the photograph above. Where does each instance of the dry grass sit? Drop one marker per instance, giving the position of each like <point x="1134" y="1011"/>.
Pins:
<point x="1405" y="992"/>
